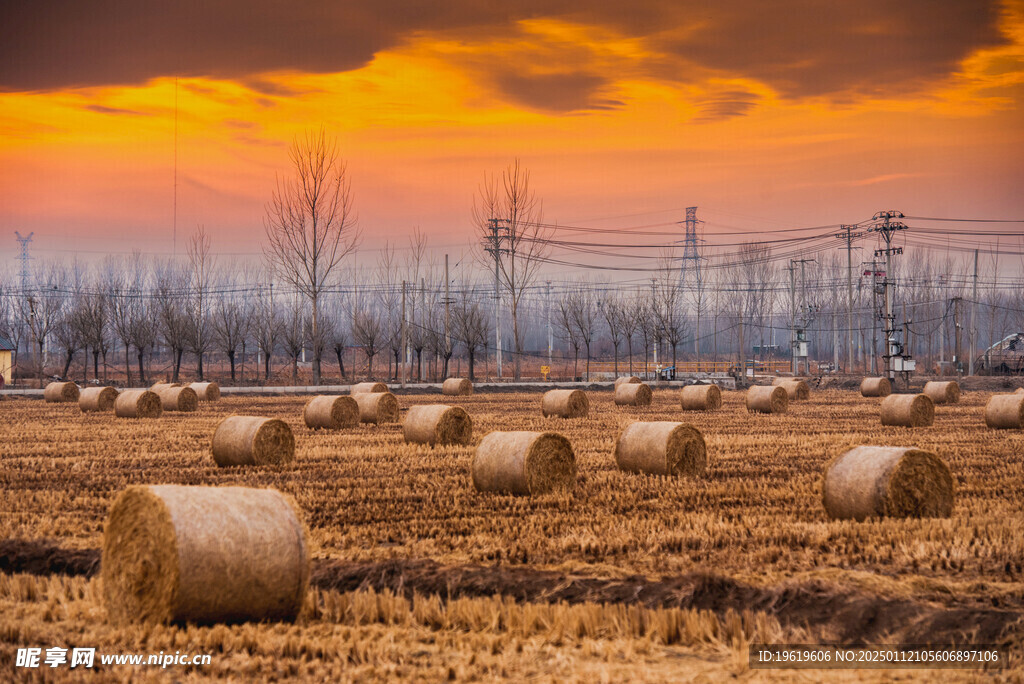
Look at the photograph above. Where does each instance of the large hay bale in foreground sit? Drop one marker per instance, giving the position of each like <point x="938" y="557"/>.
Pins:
<point x="897" y="482"/>
<point x="524" y="463"/>
<point x="565" y="403"/>
<point x="368" y="388"/>
<point x="908" y="410"/>
<point x="331" y="412"/>
<point x="627" y="379"/>
<point x="701" y="398"/>
<point x="60" y="393"/>
<point x="437" y="424"/>
<point x="252" y="440"/>
<point x="178" y="398"/>
<point x="767" y="399"/>
<point x="796" y="389"/>
<point x="377" y="407"/>
<point x="457" y="387"/>
<point x="206" y="391"/>
<point x="661" y="448"/>
<point x="93" y="399"/>
<point x="138" y="403"/>
<point x="1005" y="411"/>
<point x="943" y="392"/>
<point x="204" y="554"/>
<point x="633" y="394"/>
<point x="875" y="387"/>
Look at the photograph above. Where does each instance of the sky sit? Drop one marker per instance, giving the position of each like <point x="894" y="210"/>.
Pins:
<point x="763" y="115"/>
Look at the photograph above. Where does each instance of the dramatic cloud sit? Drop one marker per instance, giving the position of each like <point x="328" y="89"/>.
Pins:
<point x="797" y="47"/>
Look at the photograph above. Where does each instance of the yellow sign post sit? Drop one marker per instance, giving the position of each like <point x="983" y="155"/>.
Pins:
<point x="544" y="371"/>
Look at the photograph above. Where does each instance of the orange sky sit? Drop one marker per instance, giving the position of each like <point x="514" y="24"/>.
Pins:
<point x="614" y="114"/>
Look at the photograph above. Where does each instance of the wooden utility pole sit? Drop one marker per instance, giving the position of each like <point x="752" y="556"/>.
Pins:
<point x="973" y="333"/>
<point x="447" y="318"/>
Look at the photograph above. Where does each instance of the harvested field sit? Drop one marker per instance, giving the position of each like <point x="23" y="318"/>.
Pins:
<point x="408" y="556"/>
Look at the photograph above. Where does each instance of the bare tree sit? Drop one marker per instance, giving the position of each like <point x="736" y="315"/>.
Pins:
<point x="41" y="307"/>
<point x="507" y="215"/>
<point x="565" y="321"/>
<point x="267" y="327"/>
<point x="293" y="335"/>
<point x="231" y="320"/>
<point x="199" y="337"/>
<point x="628" y="323"/>
<point x="310" y="224"/>
<point x="611" y="309"/>
<point x="368" y="332"/>
<point x="171" y="288"/>
<point x="584" y="315"/>
<point x="470" y="325"/>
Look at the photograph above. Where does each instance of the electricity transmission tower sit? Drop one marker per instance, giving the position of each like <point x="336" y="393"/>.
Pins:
<point x="24" y="258"/>
<point x="492" y="245"/>
<point x="690" y="276"/>
<point x="893" y="354"/>
<point x="849" y="236"/>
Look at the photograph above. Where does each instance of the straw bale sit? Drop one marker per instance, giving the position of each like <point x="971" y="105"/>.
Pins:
<point x="908" y="410"/>
<point x="797" y="389"/>
<point x="701" y="398"/>
<point x="457" y="387"/>
<point x="875" y="387"/>
<point x="661" y="448"/>
<point x="60" y="393"/>
<point x="884" y="481"/>
<point x="565" y="403"/>
<point x="252" y="440"/>
<point x="331" y="412"/>
<point x="627" y="379"/>
<point x="633" y="394"/>
<point x="204" y="555"/>
<point x="437" y="424"/>
<point x="767" y="399"/>
<point x="138" y="403"/>
<point x="1005" y="411"/>
<point x="368" y="388"/>
<point x="97" y="399"/>
<point x="943" y="392"/>
<point x="524" y="463"/>
<point x="178" y="398"/>
<point x="206" y="391"/>
<point x="377" y="407"/>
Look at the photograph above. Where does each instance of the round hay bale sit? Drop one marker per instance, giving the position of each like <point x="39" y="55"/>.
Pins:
<point x="206" y="391"/>
<point x="457" y="387"/>
<point x="908" y="410"/>
<point x="882" y="481"/>
<point x="331" y="412"/>
<point x="565" y="403"/>
<point x="1005" y="411"/>
<point x="701" y="398"/>
<point x="377" y="407"/>
<point x="157" y="386"/>
<point x="796" y="389"/>
<point x="875" y="387"/>
<point x="437" y="424"/>
<point x="780" y="379"/>
<point x="173" y="553"/>
<point x="368" y="388"/>
<point x="1020" y="390"/>
<point x="633" y="394"/>
<point x="60" y="393"/>
<point x="661" y="448"/>
<point x="523" y="463"/>
<point x="943" y="392"/>
<point x="97" y="399"/>
<point x="178" y="398"/>
<point x="139" y="403"/>
<point x="627" y="379"/>
<point x="252" y="440"/>
<point x="767" y="399"/>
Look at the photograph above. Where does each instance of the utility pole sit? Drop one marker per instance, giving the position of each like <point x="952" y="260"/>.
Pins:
<point x="886" y="226"/>
<point x="404" y="349"/>
<point x="447" y="315"/>
<point x="691" y="271"/>
<point x="654" y="303"/>
<point x="548" y="294"/>
<point x="957" y="364"/>
<point x="872" y="350"/>
<point x="849" y="236"/>
<point x="792" y="314"/>
<point x="493" y="246"/>
<point x="974" y="307"/>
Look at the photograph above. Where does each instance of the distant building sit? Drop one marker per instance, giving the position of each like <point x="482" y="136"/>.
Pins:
<point x="6" y="356"/>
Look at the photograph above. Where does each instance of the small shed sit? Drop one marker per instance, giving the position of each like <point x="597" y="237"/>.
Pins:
<point x="6" y="361"/>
